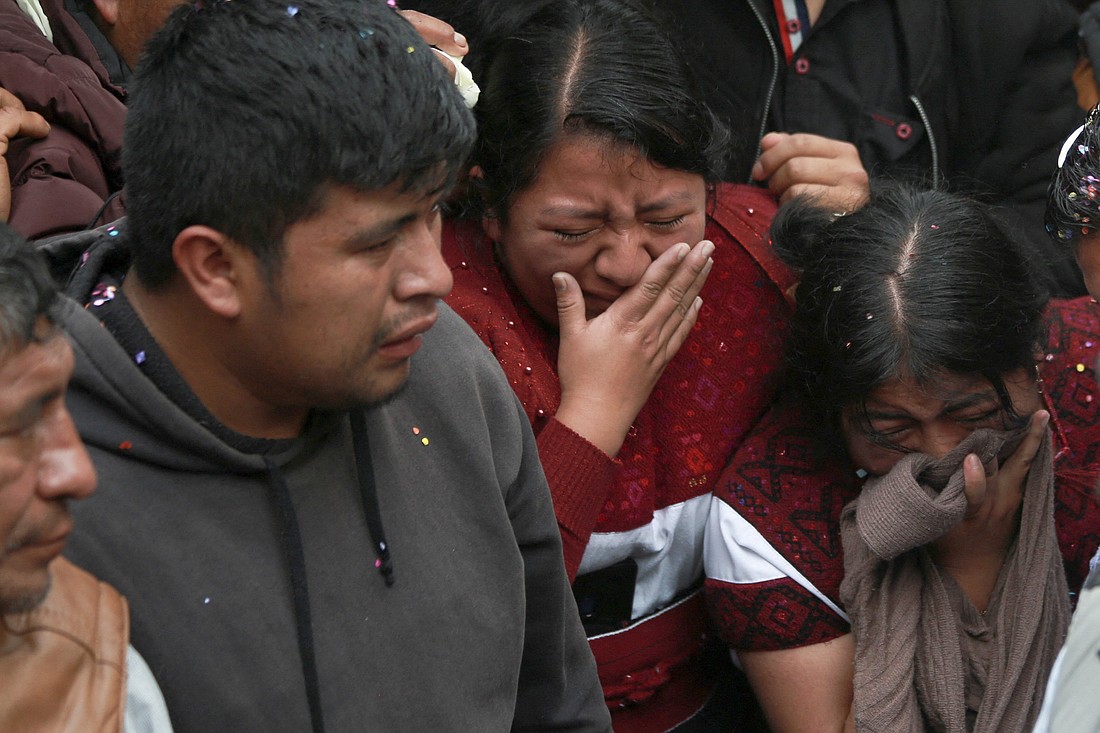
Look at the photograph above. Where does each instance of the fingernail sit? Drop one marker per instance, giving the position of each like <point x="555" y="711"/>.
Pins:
<point x="460" y="39"/>
<point x="698" y="303"/>
<point x="682" y="250"/>
<point x="707" y="249"/>
<point x="559" y="282"/>
<point x="975" y="462"/>
<point x="1044" y="418"/>
<point x="757" y="171"/>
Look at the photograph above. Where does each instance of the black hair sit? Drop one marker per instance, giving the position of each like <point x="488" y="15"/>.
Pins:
<point x="26" y="291"/>
<point x="243" y="114"/>
<point x="1073" y="198"/>
<point x="598" y="67"/>
<point x="916" y="284"/>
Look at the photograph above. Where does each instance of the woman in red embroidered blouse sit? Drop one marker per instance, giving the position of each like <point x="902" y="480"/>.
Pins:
<point x="917" y="323"/>
<point x="641" y="354"/>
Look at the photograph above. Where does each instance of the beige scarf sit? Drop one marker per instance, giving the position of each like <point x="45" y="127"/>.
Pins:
<point x="910" y="673"/>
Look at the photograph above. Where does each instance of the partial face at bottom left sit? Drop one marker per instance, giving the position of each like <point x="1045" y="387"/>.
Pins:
<point x="43" y="464"/>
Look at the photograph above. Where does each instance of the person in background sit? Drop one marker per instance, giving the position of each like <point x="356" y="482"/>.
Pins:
<point x="71" y="61"/>
<point x="841" y="95"/>
<point x="319" y="494"/>
<point x="638" y="312"/>
<point x="895" y="545"/>
<point x="1069" y="702"/>
<point x="65" y="660"/>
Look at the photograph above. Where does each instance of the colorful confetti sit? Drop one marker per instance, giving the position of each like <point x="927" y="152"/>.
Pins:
<point x="103" y="294"/>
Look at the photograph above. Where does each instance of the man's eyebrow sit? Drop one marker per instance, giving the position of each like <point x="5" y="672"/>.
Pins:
<point x="380" y="232"/>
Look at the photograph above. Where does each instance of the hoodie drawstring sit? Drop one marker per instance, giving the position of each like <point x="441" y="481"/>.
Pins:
<point x="296" y="561"/>
<point x="369" y="494"/>
<point x="296" y="564"/>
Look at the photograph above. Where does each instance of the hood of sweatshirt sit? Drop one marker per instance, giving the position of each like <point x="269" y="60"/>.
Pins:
<point x="142" y="406"/>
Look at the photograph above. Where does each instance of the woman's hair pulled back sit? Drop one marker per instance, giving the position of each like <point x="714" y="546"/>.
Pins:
<point x="596" y="67"/>
<point x="915" y="284"/>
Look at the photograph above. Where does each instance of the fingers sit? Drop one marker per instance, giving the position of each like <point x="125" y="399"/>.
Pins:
<point x="1019" y="463"/>
<point x="779" y="148"/>
<point x="669" y="285"/>
<point x="975" y="485"/>
<point x="571" y="311"/>
<point x="802" y="163"/>
<point x="683" y="329"/>
<point x="437" y="33"/>
<point x="15" y="124"/>
<point x="16" y="121"/>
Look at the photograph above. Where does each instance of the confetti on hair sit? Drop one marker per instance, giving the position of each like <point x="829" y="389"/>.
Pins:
<point x="139" y="357"/>
<point x="1073" y="200"/>
<point x="410" y="49"/>
<point x="934" y="226"/>
<point x="291" y="10"/>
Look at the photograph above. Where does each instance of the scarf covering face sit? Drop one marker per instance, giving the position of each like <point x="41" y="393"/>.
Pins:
<point x="909" y="669"/>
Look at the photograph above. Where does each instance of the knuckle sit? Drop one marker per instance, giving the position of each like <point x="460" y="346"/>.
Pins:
<point x="677" y="293"/>
<point x="651" y="289"/>
<point x="796" y="169"/>
<point x="847" y="148"/>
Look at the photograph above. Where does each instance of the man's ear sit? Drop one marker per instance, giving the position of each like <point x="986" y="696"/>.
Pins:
<point x="108" y="10"/>
<point x="213" y="266"/>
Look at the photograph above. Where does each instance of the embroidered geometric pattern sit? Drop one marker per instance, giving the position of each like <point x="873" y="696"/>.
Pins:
<point x="791" y="490"/>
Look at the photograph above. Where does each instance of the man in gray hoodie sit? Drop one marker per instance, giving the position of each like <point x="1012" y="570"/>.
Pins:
<point x="318" y="491"/>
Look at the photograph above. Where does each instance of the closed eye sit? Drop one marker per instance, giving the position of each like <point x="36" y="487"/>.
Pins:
<point x="668" y="223"/>
<point x="982" y="419"/>
<point x="572" y="236"/>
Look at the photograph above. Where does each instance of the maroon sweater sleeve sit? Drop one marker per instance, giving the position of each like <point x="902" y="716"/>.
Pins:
<point x="579" y="475"/>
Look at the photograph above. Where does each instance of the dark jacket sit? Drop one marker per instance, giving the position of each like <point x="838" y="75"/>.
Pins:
<point x="978" y="94"/>
<point x="61" y="182"/>
<point x="479" y="631"/>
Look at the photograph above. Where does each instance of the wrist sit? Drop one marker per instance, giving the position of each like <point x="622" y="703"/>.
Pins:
<point x="602" y="428"/>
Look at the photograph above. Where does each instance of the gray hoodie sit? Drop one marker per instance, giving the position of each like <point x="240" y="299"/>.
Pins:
<point x="478" y="633"/>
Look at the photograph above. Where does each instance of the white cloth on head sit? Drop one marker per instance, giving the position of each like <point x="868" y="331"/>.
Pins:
<point x="464" y="80"/>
